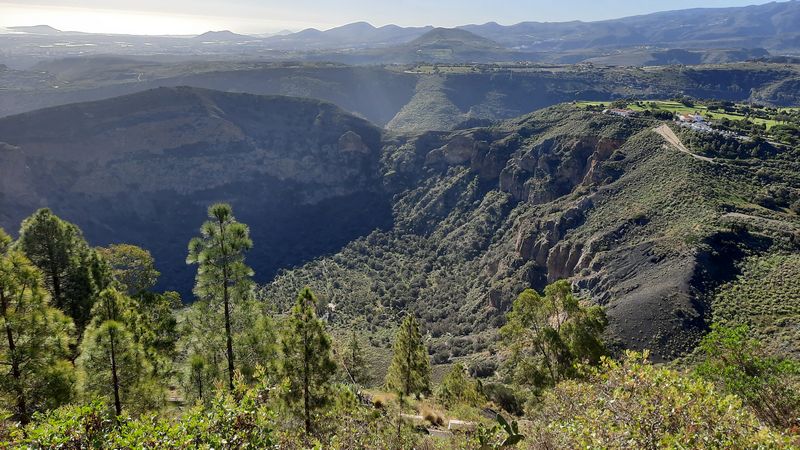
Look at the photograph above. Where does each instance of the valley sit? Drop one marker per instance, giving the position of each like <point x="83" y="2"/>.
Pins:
<point x="454" y="234"/>
<point x="471" y="216"/>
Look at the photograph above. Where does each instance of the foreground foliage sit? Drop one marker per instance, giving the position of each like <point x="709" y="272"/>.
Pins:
<point x="548" y="335"/>
<point x="632" y="404"/>
<point x="284" y="393"/>
<point x="35" y="346"/>
<point x="768" y="384"/>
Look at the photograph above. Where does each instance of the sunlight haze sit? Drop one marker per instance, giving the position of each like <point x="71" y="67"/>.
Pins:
<point x="249" y="16"/>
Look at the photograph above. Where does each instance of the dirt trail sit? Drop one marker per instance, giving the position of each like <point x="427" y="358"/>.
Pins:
<point x="666" y="132"/>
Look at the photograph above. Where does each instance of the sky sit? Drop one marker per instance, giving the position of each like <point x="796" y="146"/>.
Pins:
<point x="263" y="16"/>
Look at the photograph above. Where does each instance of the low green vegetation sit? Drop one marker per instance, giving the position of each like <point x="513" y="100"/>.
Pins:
<point x="768" y="384"/>
<point x="633" y="404"/>
<point x="766" y="298"/>
<point x="122" y="390"/>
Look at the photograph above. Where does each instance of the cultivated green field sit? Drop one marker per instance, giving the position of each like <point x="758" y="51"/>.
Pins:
<point x="680" y="108"/>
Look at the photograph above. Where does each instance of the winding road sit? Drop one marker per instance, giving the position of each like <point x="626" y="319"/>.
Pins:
<point x="666" y="132"/>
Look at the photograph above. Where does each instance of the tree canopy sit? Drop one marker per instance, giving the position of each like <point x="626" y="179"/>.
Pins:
<point x="548" y="335"/>
<point x="73" y="272"/>
<point x="36" y="339"/>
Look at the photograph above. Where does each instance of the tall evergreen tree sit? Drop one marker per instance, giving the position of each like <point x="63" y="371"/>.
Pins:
<point x="222" y="275"/>
<point x="73" y="273"/>
<point x="307" y="363"/>
<point x="255" y="344"/>
<point x="458" y="387"/>
<point x="36" y="339"/>
<point x="410" y="370"/>
<point x="113" y="361"/>
<point x="353" y="361"/>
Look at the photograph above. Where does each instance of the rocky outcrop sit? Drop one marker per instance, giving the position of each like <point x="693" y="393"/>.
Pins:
<point x="537" y="242"/>
<point x="350" y="141"/>
<point x="554" y="168"/>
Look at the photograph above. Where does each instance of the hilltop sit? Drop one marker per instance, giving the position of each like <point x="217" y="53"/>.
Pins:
<point x="46" y="30"/>
<point x="224" y="35"/>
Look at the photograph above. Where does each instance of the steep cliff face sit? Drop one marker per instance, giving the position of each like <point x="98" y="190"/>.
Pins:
<point x="142" y="169"/>
<point x="481" y="214"/>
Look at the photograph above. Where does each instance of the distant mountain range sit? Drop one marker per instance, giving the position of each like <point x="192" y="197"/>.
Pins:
<point x="691" y="36"/>
<point x="774" y="25"/>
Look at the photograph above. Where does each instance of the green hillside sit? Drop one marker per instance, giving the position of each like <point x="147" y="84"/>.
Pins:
<point x="603" y="201"/>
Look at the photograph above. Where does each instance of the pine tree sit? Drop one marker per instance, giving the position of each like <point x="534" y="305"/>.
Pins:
<point x="255" y="344"/>
<point x="353" y="361"/>
<point x="113" y="361"/>
<point x="197" y="377"/>
<point x="133" y="270"/>
<point x="35" y="345"/>
<point x="410" y="370"/>
<point x="222" y="275"/>
<point x="307" y="365"/>
<point x="72" y="271"/>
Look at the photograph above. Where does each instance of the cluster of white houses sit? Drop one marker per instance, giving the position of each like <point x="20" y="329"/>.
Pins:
<point x="694" y="121"/>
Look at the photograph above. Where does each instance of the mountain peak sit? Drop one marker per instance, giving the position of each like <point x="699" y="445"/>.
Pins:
<point x="36" y="29"/>
<point x="223" y="35"/>
<point x="449" y="36"/>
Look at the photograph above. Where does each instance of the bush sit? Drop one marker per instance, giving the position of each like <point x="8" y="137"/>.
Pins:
<point x="457" y="388"/>
<point x="504" y="397"/>
<point x="483" y="368"/>
<point x="241" y="419"/>
<point x="739" y="365"/>
<point x="433" y="417"/>
<point x="632" y="404"/>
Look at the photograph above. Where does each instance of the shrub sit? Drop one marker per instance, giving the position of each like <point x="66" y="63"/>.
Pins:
<point x="504" y="397"/>
<point x="739" y="365"/>
<point x="483" y="368"/>
<point x="632" y="404"/>
<point x="433" y="417"/>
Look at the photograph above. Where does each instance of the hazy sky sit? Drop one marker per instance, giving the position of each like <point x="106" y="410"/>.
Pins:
<point x="258" y="16"/>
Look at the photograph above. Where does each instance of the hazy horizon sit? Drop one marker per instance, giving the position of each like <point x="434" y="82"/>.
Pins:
<point x="151" y="17"/>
